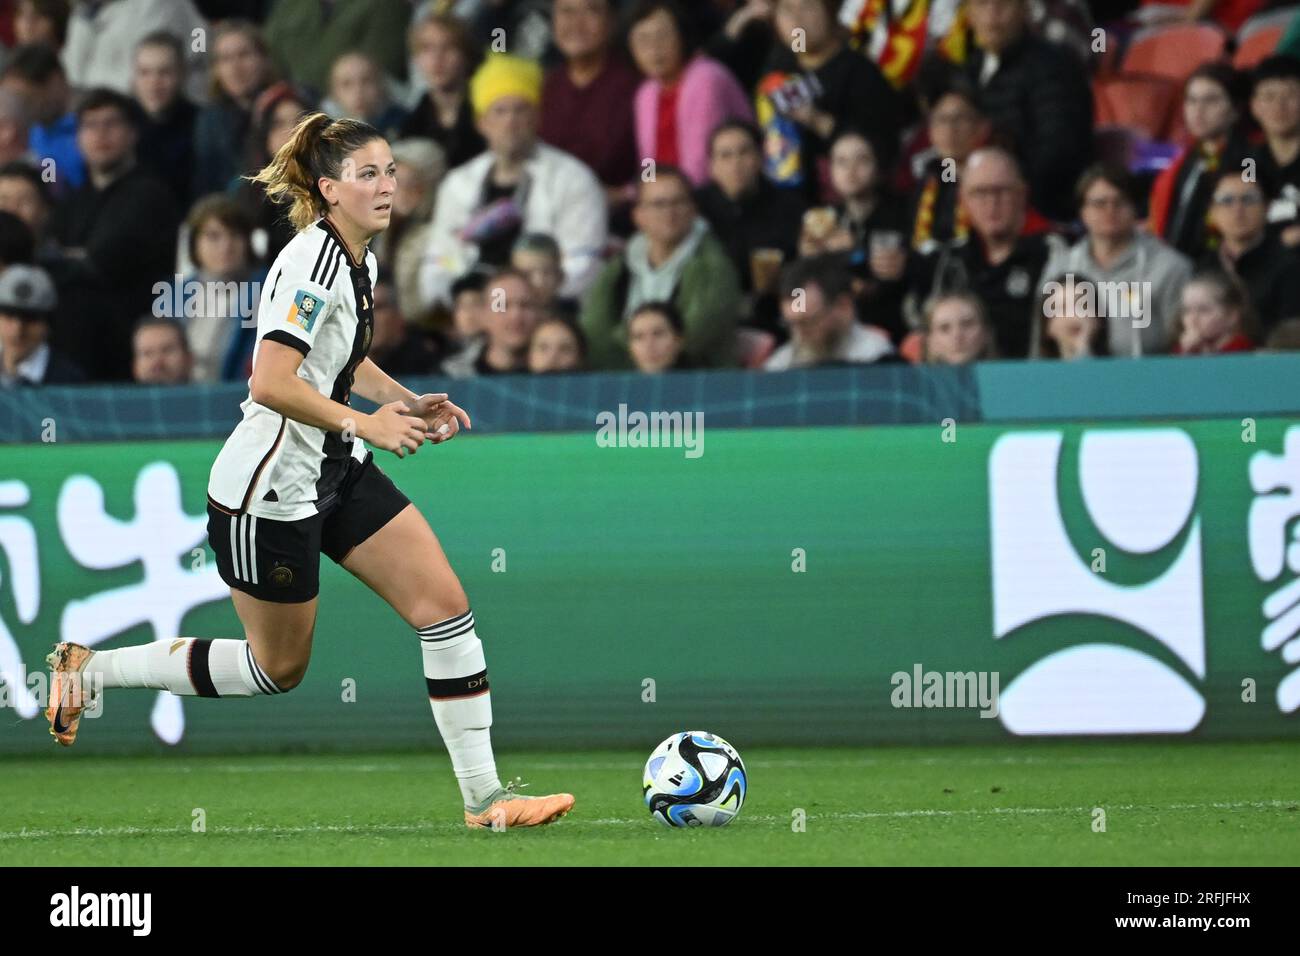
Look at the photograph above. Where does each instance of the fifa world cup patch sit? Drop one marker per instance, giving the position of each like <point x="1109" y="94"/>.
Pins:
<point x="304" y="310"/>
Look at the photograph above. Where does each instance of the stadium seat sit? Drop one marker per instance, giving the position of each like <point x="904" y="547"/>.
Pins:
<point x="1259" y="36"/>
<point x="1259" y="45"/>
<point x="1174" y="50"/>
<point x="1142" y="103"/>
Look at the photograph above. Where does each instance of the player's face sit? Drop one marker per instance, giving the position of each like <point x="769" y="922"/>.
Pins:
<point x="363" y="193"/>
<point x="653" y="342"/>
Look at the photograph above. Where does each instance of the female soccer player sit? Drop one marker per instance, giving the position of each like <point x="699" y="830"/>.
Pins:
<point x="294" y="480"/>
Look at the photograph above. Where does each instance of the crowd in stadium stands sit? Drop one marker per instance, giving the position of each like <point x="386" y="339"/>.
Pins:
<point x="655" y="185"/>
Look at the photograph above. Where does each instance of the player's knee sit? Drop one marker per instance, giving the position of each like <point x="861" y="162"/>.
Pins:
<point x="434" y="609"/>
<point x="287" y="674"/>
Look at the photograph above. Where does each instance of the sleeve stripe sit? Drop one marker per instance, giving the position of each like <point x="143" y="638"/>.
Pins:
<point x="284" y="338"/>
<point x="320" y="256"/>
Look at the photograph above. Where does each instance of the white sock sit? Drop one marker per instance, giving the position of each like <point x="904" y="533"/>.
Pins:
<point x="456" y="675"/>
<point x="189" y="666"/>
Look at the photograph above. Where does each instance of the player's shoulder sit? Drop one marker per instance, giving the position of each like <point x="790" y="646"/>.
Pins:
<point x="315" y="255"/>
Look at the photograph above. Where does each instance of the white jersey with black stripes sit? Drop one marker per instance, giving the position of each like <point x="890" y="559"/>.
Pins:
<point x="318" y="300"/>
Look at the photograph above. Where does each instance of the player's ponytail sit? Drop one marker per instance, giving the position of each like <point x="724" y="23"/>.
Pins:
<point x="318" y="146"/>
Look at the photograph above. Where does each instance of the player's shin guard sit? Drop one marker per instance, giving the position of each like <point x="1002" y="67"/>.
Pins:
<point x="191" y="667"/>
<point x="456" y="674"/>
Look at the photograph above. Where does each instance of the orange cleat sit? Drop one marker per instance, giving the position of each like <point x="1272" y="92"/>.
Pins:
<point x="508" y="809"/>
<point x="66" y="690"/>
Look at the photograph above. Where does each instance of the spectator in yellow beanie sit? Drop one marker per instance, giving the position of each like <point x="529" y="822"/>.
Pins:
<point x="503" y="75"/>
<point x="519" y="185"/>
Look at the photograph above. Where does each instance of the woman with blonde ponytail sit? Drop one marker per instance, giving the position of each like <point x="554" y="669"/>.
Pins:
<point x="295" y="480"/>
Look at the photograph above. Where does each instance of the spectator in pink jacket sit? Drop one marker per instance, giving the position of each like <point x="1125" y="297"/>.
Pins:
<point x="685" y="94"/>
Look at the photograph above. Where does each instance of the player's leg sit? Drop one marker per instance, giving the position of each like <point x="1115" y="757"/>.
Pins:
<point x="272" y="568"/>
<point x="401" y="560"/>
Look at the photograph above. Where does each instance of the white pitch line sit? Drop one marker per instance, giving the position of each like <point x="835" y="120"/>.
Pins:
<point x="381" y="828"/>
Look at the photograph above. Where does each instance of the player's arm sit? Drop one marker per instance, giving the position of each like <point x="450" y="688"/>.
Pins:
<point x="442" y="418"/>
<point x="276" y="385"/>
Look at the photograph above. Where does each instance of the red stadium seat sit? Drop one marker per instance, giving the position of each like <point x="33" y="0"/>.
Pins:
<point x="1174" y="50"/>
<point x="1144" y="104"/>
<point x="1259" y="36"/>
<point x="1260" y="44"/>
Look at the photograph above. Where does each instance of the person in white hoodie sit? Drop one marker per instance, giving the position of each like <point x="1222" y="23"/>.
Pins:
<point x="1140" y="273"/>
<point x="519" y="185"/>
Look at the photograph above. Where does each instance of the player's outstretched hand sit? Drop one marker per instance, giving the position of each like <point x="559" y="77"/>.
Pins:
<point x="442" y="418"/>
<point x="392" y="428"/>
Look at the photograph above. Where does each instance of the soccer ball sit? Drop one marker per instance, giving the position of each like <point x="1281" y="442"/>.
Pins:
<point x="695" y="779"/>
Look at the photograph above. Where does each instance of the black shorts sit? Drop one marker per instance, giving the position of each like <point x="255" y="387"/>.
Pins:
<point x="280" y="560"/>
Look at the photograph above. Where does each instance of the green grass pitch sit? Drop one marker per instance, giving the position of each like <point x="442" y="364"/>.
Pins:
<point x="1033" y="803"/>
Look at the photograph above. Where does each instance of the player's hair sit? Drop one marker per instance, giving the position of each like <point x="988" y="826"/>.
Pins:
<point x="316" y="148"/>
